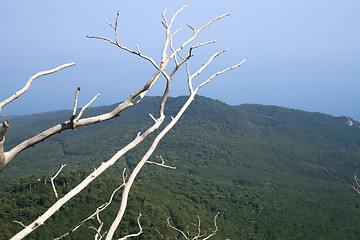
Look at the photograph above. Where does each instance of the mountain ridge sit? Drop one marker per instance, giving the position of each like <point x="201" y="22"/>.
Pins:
<point x="273" y="172"/>
<point x="246" y="122"/>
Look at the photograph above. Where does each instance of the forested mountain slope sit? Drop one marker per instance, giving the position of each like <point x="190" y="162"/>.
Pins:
<point x="274" y="173"/>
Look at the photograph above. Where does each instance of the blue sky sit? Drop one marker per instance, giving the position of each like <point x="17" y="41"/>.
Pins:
<point x="300" y="54"/>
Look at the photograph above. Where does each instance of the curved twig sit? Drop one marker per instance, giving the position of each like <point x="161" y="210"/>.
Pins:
<point x="30" y="80"/>
<point x="134" y="234"/>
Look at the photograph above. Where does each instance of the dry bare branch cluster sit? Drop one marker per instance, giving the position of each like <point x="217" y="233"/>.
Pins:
<point x="168" y="71"/>
<point x="356" y="187"/>
<point x="188" y="235"/>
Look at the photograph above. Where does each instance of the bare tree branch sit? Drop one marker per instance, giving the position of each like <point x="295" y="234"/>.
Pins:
<point x="356" y="187"/>
<point x="116" y="42"/>
<point x="3" y="130"/>
<point x="172" y="47"/>
<point x="52" y="180"/>
<point x="30" y="80"/>
<point x="20" y="223"/>
<point x="198" y="235"/>
<point x="134" y="234"/>
<point x="162" y="236"/>
<point x="176" y="229"/>
<point x="219" y="73"/>
<point x="215" y="230"/>
<point x="84" y="108"/>
<point x="162" y="164"/>
<point x="75" y="102"/>
<point x="205" y="65"/>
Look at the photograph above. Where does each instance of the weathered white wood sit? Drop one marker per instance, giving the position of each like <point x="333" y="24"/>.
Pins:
<point x="30" y="80"/>
<point x="52" y="180"/>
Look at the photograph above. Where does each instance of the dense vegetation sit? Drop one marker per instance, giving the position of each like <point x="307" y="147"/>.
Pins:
<point x="273" y="173"/>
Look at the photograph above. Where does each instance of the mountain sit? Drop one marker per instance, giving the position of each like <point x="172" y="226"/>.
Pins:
<point x="272" y="172"/>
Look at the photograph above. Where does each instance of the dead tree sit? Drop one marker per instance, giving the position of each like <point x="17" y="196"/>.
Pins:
<point x="172" y="59"/>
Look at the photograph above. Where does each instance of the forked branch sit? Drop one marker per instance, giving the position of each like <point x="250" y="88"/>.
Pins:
<point x="199" y="234"/>
<point x="162" y="164"/>
<point x="135" y="234"/>
<point x="52" y="180"/>
<point x="356" y="187"/>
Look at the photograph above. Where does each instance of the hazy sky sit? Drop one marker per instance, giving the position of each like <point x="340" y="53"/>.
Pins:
<point x="301" y="54"/>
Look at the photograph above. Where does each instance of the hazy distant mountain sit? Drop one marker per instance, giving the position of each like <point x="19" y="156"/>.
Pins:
<point x="276" y="173"/>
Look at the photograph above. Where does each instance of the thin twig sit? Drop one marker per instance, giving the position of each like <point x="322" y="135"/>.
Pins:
<point x="23" y="225"/>
<point x="75" y="101"/>
<point x="75" y="107"/>
<point x="162" y="164"/>
<point x="52" y="180"/>
<point x="178" y="230"/>
<point x="356" y="187"/>
<point x="152" y="117"/>
<point x="219" y="73"/>
<point x="135" y="234"/>
<point x="87" y="105"/>
<point x="159" y="233"/>
<point x="202" y="44"/>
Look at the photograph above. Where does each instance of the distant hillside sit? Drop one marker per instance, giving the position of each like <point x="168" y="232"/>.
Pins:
<point x="275" y="173"/>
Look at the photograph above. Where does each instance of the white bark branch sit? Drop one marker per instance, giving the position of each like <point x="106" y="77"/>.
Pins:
<point x="199" y="234"/>
<point x="30" y="80"/>
<point x="202" y="44"/>
<point x="86" y="106"/>
<point x="215" y="230"/>
<point x="162" y="164"/>
<point x="116" y="42"/>
<point x="20" y="223"/>
<point x="75" y="102"/>
<point x="219" y="73"/>
<point x="134" y="234"/>
<point x="356" y="187"/>
<point x="3" y="130"/>
<point x="176" y="229"/>
<point x="52" y="180"/>
<point x="205" y="65"/>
